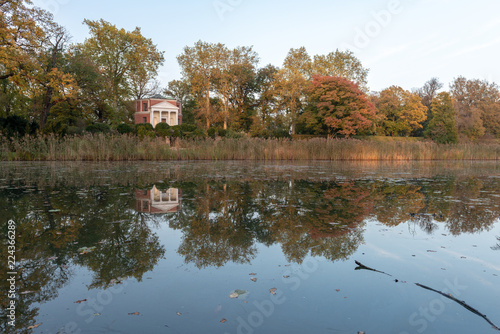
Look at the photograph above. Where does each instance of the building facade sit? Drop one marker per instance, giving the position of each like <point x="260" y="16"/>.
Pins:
<point x="158" y="110"/>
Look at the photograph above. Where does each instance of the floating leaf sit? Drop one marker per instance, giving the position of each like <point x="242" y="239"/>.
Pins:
<point x="135" y="313"/>
<point x="35" y="326"/>
<point x="253" y="279"/>
<point x="223" y="320"/>
<point x="178" y="313"/>
<point x="253" y="274"/>
<point x="80" y="301"/>
<point x="286" y="276"/>
<point x="273" y="291"/>
<point x="85" y="250"/>
<point x="239" y="294"/>
<point x="338" y="290"/>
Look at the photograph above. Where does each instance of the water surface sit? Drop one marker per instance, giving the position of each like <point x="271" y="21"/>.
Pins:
<point x="162" y="247"/>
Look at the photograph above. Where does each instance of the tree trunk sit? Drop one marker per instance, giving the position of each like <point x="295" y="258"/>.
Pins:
<point x="207" y="111"/>
<point x="47" y="104"/>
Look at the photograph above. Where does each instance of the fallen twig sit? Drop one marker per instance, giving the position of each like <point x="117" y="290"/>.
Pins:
<point x="462" y="303"/>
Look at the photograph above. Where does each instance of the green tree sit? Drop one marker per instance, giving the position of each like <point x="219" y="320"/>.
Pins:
<point x="341" y="64"/>
<point x="266" y="103"/>
<point x="290" y="85"/>
<point x="127" y="60"/>
<point x="427" y="93"/>
<point x="442" y="127"/>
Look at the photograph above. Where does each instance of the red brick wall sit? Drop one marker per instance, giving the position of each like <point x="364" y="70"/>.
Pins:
<point x="138" y="118"/>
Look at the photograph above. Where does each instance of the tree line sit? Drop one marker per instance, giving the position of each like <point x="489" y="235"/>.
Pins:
<point x="48" y="84"/>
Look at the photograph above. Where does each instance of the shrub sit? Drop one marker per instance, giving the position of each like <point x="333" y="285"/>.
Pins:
<point x="98" y="128"/>
<point x="221" y="132"/>
<point x="146" y="126"/>
<point x="124" y="128"/>
<point x="17" y="126"/>
<point x="187" y="127"/>
<point x="162" y="129"/>
<point x="144" y="131"/>
<point x="74" y="130"/>
<point x="212" y="132"/>
<point x="199" y="134"/>
<point x="176" y="131"/>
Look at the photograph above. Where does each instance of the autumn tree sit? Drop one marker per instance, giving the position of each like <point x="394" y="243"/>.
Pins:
<point x="266" y="102"/>
<point x="127" y="60"/>
<point x="339" y="107"/>
<point x="234" y="74"/>
<point x="199" y="68"/>
<point x="399" y="112"/>
<point x="243" y="75"/>
<point x="20" y="36"/>
<point x="442" y="127"/>
<point x="54" y="84"/>
<point x="427" y="93"/>
<point x="341" y="64"/>
<point x="290" y="84"/>
<point x="181" y="90"/>
<point x="477" y="106"/>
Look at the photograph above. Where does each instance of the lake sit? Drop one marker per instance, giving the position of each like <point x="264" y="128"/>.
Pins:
<point x="244" y="247"/>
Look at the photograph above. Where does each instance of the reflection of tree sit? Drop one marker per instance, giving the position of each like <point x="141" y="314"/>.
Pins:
<point x="127" y="249"/>
<point x="497" y="246"/>
<point x="53" y="223"/>
<point x="216" y="226"/>
<point x="395" y="201"/>
<point x="471" y="211"/>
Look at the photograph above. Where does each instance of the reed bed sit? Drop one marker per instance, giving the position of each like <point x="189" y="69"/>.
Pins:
<point x="100" y="147"/>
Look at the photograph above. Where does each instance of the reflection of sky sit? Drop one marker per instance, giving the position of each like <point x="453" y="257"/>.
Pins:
<point x="428" y="38"/>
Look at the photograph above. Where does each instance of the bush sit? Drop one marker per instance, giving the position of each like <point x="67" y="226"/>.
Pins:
<point x="199" y="134"/>
<point x="98" y="128"/>
<point x="212" y="132"/>
<point x="146" y="126"/>
<point x="124" y="128"/>
<point x="188" y="127"/>
<point x="176" y="131"/>
<point x="17" y="126"/>
<point x="74" y="130"/>
<point x="144" y="131"/>
<point x="221" y="132"/>
<point x="162" y="129"/>
<point x="279" y="133"/>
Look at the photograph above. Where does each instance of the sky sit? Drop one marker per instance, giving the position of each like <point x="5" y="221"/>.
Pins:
<point x="401" y="42"/>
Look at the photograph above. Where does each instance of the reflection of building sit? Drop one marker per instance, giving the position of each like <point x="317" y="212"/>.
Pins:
<point x="158" y="201"/>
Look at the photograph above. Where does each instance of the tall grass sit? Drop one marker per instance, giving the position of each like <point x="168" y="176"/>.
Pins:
<point x="101" y="147"/>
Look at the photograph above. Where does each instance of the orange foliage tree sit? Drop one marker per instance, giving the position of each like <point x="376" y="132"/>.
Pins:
<point x="338" y="107"/>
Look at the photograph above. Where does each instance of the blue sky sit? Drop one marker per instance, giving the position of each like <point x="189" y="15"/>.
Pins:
<point x="402" y="42"/>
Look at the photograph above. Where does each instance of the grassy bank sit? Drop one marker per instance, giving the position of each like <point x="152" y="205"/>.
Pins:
<point x="101" y="147"/>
